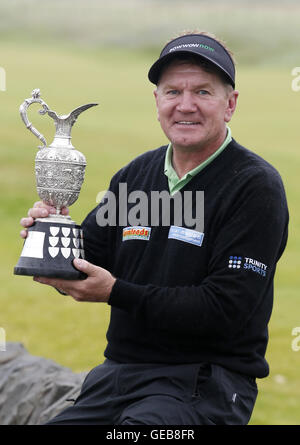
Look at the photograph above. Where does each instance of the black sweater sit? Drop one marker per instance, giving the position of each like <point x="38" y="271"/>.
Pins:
<point x="179" y="302"/>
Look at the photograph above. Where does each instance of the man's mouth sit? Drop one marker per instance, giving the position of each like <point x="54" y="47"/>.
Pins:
<point x="187" y="123"/>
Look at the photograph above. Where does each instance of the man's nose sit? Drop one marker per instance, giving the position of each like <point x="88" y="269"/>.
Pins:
<point x="186" y="103"/>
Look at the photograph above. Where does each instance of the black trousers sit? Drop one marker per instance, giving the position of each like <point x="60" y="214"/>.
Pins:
<point x="147" y="394"/>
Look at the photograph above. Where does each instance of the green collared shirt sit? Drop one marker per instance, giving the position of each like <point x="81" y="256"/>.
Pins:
<point x="176" y="184"/>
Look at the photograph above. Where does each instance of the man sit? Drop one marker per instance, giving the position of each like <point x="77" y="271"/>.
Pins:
<point x="191" y="297"/>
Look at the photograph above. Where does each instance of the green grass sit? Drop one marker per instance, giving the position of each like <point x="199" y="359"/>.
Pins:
<point x="123" y="126"/>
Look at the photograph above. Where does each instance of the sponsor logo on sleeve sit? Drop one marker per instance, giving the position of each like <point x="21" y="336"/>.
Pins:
<point x="238" y="262"/>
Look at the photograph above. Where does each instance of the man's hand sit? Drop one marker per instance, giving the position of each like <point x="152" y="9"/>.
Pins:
<point x="39" y="210"/>
<point x="95" y="288"/>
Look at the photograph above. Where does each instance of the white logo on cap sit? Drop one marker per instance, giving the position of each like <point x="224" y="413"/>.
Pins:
<point x="191" y="45"/>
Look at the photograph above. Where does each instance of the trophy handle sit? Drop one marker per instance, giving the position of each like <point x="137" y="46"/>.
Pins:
<point x="23" y="112"/>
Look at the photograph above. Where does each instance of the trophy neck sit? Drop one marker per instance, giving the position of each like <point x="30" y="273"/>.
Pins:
<point x="61" y="141"/>
<point x="63" y="126"/>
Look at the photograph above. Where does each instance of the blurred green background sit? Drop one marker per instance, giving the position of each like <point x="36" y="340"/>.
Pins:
<point x="85" y="51"/>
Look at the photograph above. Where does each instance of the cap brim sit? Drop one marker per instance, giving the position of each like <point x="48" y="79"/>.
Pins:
<point x="156" y="69"/>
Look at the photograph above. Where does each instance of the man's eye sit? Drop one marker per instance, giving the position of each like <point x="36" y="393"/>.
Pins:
<point x="203" y="92"/>
<point x="172" y="92"/>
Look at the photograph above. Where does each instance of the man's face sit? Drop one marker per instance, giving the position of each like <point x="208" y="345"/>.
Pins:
<point x="193" y="107"/>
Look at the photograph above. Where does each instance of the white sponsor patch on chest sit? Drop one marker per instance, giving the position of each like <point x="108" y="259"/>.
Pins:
<point x="186" y="235"/>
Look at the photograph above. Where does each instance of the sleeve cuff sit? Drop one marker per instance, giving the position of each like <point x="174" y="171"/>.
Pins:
<point x="125" y="295"/>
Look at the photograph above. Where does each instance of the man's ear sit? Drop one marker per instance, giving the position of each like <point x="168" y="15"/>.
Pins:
<point x="156" y="101"/>
<point x="231" y="105"/>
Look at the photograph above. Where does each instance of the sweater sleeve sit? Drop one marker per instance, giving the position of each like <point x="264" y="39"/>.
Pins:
<point x="98" y="234"/>
<point x="240" y="274"/>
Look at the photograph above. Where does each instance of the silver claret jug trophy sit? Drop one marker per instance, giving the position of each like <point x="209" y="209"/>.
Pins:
<point x="53" y="242"/>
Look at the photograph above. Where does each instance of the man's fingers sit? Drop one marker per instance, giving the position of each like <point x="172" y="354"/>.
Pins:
<point x="59" y="283"/>
<point x="86" y="267"/>
<point x="49" y="281"/>
<point x="56" y="282"/>
<point x="39" y="204"/>
<point x="23" y="233"/>
<point x="41" y="210"/>
<point x="27" y="222"/>
<point x="72" y="288"/>
<point x="64" y="211"/>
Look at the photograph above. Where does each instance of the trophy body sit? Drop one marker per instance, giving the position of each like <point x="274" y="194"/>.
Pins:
<point x="53" y="242"/>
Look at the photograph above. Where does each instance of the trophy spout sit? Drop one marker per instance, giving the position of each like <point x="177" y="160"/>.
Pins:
<point x="64" y="124"/>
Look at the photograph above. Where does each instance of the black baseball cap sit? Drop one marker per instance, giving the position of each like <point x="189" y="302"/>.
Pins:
<point x="199" y="45"/>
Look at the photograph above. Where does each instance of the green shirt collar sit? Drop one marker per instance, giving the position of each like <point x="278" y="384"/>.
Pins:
<point x="175" y="183"/>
